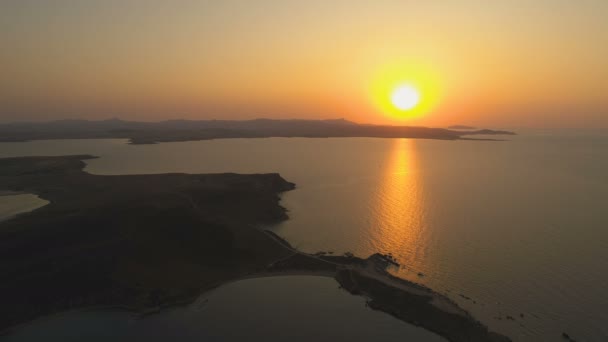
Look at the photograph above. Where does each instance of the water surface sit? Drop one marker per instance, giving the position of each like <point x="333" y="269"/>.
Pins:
<point x="292" y="308"/>
<point x="518" y="226"/>
<point x="12" y="205"/>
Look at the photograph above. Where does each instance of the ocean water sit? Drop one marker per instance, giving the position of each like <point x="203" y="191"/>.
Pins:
<point x="514" y="231"/>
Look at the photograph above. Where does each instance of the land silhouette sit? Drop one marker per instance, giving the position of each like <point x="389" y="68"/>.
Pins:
<point x="145" y="242"/>
<point x="187" y="130"/>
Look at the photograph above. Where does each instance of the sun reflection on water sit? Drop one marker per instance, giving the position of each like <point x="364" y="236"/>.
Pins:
<point x="398" y="219"/>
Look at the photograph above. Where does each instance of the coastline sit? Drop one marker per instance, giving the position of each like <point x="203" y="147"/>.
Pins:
<point x="196" y="130"/>
<point x="152" y="269"/>
<point x="14" y="211"/>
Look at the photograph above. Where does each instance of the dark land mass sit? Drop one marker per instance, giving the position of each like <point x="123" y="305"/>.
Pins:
<point x="462" y="127"/>
<point x="145" y="242"/>
<point x="184" y="130"/>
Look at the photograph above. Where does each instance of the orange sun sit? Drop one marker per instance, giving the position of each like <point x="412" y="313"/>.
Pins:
<point x="405" y="91"/>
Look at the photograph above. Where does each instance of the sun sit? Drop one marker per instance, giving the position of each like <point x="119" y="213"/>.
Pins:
<point x="405" y="97"/>
<point x="404" y="90"/>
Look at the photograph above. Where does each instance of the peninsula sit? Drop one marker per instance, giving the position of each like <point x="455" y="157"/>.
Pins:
<point x="145" y="242"/>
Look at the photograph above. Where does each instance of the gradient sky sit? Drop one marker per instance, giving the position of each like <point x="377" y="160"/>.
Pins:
<point x="515" y="63"/>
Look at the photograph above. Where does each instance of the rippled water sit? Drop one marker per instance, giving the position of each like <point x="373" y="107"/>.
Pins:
<point x="520" y="226"/>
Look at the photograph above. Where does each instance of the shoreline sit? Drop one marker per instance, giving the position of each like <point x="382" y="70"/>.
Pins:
<point x="29" y="209"/>
<point x="142" y="313"/>
<point x="158" y="241"/>
<point x="193" y="130"/>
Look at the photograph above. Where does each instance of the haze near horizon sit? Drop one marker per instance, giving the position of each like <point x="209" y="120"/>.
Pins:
<point x="521" y="63"/>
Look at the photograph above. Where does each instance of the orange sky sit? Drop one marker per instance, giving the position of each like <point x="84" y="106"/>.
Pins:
<point x="513" y="64"/>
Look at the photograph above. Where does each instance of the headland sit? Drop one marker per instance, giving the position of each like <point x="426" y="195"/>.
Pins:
<point x="146" y="242"/>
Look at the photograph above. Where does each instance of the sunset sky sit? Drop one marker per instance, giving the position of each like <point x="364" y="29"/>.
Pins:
<point x="516" y="63"/>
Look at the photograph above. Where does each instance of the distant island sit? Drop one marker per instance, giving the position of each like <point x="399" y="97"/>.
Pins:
<point x="145" y="242"/>
<point x="462" y="127"/>
<point x="186" y="130"/>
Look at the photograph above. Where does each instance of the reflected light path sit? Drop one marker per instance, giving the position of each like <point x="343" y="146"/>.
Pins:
<point x="398" y="215"/>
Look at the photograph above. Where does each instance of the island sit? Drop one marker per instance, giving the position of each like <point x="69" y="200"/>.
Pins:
<point x="192" y="130"/>
<point x="462" y="127"/>
<point x="147" y="242"/>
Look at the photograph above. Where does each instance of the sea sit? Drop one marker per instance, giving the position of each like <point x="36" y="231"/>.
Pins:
<point x="515" y="231"/>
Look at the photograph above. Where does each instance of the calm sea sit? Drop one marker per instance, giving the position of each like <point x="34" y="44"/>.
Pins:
<point x="508" y="229"/>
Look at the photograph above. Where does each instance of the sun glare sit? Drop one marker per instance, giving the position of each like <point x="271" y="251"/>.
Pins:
<point x="405" y="90"/>
<point x="405" y="97"/>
